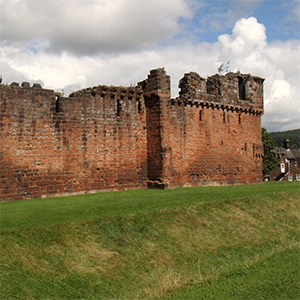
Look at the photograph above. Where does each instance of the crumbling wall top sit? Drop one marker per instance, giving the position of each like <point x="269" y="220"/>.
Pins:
<point x="233" y="91"/>
<point x="157" y="82"/>
<point x="114" y="92"/>
<point x="25" y="86"/>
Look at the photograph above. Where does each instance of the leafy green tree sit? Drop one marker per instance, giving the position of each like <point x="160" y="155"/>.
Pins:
<point x="270" y="157"/>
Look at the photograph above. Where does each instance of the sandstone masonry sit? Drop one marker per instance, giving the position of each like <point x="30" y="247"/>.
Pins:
<point x="112" y="138"/>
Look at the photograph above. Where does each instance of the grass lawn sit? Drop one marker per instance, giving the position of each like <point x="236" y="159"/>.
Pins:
<point x="276" y="278"/>
<point x="234" y="242"/>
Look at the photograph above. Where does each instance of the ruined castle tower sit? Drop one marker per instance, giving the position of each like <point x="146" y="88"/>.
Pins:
<point x="114" y="138"/>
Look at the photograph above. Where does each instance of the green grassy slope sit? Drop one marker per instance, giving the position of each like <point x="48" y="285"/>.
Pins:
<point x="277" y="277"/>
<point x="51" y="211"/>
<point x="151" y="244"/>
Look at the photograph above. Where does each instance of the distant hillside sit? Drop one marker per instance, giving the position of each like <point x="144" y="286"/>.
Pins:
<point x="292" y="135"/>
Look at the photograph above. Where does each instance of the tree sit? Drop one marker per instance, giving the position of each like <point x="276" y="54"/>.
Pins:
<point x="270" y="157"/>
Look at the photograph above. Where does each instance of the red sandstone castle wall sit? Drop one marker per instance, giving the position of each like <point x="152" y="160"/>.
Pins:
<point x="213" y="146"/>
<point x="94" y="140"/>
<point x="113" y="138"/>
<point x="210" y="134"/>
<point x="27" y="141"/>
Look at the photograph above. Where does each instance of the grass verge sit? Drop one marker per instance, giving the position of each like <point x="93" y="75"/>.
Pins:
<point x="60" y="210"/>
<point x="154" y="245"/>
<point x="276" y="278"/>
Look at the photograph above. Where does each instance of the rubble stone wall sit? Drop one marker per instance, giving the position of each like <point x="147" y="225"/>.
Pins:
<point x="113" y="138"/>
<point x="93" y="140"/>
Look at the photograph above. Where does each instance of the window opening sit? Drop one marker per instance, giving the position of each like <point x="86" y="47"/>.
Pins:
<point x="119" y="107"/>
<point x="242" y="88"/>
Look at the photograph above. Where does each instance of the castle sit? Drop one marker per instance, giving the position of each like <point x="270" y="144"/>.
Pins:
<point x="107" y="138"/>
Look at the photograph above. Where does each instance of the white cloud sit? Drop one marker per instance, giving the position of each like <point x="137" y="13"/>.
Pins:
<point x="278" y="63"/>
<point x="87" y="27"/>
<point x="280" y="89"/>
<point x="63" y="70"/>
<point x="247" y="35"/>
<point x="76" y="35"/>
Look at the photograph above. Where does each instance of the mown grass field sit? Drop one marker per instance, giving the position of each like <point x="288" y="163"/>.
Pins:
<point x="235" y="242"/>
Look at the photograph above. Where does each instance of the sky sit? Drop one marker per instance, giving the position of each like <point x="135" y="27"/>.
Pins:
<point x="67" y="45"/>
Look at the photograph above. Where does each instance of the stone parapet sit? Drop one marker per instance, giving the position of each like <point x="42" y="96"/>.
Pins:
<point x="234" y="91"/>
